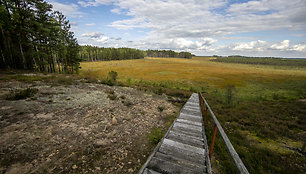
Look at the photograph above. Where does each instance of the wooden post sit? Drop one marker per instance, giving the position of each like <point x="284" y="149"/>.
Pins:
<point x="205" y="116"/>
<point x="212" y="142"/>
<point x="201" y="102"/>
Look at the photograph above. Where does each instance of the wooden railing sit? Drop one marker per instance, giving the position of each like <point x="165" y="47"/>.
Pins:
<point x="234" y="155"/>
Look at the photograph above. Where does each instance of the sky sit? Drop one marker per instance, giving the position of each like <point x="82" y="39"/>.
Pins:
<point x="274" y="28"/>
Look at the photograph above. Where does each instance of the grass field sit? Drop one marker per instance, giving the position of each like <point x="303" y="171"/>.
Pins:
<point x="261" y="107"/>
<point x="202" y="74"/>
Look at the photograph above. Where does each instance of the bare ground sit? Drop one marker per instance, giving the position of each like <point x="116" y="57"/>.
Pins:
<point x="78" y="128"/>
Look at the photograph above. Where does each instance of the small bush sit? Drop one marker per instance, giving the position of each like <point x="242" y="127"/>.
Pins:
<point x="129" y="81"/>
<point x="229" y="95"/>
<point x="112" y="96"/>
<point x="109" y="91"/>
<point x="156" y="135"/>
<point x="21" y="94"/>
<point x="122" y="97"/>
<point x="91" y="80"/>
<point x="28" y="78"/>
<point x="112" y="78"/>
<point x="160" y="91"/>
<point x="192" y="89"/>
<point x="64" y="80"/>
<point x="127" y="103"/>
<point x="160" y="108"/>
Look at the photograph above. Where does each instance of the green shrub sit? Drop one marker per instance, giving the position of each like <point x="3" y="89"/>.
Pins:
<point x="229" y="95"/>
<point x="129" y="81"/>
<point x="160" y="108"/>
<point x="21" y="94"/>
<point x="112" y="78"/>
<point x="127" y="103"/>
<point x="30" y="78"/>
<point x="91" y="80"/>
<point x="156" y="135"/>
<point x="109" y="91"/>
<point x="192" y="89"/>
<point x="122" y="97"/>
<point x="160" y="91"/>
<point x="112" y="96"/>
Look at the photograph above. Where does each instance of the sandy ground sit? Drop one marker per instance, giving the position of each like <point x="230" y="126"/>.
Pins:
<point x="78" y="128"/>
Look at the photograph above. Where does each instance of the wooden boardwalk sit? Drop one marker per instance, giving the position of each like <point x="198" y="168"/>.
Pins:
<point x="183" y="149"/>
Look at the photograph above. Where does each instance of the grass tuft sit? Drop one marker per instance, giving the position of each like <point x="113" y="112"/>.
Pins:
<point x="21" y="94"/>
<point x="156" y="135"/>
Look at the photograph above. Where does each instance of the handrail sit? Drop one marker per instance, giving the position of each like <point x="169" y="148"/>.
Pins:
<point x="234" y="155"/>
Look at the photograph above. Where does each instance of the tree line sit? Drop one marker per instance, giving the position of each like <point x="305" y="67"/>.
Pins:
<point x="94" y="53"/>
<point x="168" y="53"/>
<point x="34" y="37"/>
<point x="261" y="61"/>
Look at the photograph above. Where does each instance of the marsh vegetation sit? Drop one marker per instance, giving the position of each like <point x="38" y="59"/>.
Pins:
<point x="261" y="107"/>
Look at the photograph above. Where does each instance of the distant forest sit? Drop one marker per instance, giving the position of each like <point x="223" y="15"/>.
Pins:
<point x="168" y="53"/>
<point x="261" y="60"/>
<point x="94" y="53"/>
<point x="34" y="37"/>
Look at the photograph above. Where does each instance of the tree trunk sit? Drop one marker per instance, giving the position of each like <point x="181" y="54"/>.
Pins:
<point x="10" y="50"/>
<point x="22" y="55"/>
<point x="3" y="49"/>
<point x="3" y="59"/>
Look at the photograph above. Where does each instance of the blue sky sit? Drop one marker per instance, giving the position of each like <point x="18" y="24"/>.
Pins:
<point x="203" y="27"/>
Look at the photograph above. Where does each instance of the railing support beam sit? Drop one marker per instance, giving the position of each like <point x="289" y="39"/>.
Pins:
<point x="205" y="117"/>
<point x="212" y="142"/>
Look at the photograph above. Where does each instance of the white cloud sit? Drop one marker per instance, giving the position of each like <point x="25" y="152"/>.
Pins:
<point x="195" y="25"/>
<point x="95" y="3"/>
<point x="299" y="47"/>
<point x="281" y="46"/>
<point x="92" y="34"/>
<point x="102" y="39"/>
<point x="268" y="46"/>
<point x="193" y="19"/>
<point x="69" y="10"/>
<point x="91" y="24"/>
<point x="253" y="46"/>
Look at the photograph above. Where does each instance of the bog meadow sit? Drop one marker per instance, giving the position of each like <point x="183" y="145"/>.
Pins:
<point x="93" y="86"/>
<point x="262" y="107"/>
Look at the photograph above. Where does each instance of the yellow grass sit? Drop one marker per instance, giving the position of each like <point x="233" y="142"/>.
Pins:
<point x="196" y="71"/>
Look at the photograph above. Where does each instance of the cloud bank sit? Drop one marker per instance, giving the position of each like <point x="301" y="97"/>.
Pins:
<point x="199" y="25"/>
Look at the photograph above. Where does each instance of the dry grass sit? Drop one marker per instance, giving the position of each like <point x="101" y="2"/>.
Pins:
<point x="192" y="72"/>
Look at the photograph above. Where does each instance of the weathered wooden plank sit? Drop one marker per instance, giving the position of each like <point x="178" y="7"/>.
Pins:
<point x="195" y="103"/>
<point x="184" y="162"/>
<point x="187" y="132"/>
<point x="190" y="117"/>
<point x="181" y="154"/>
<point x="191" y="112"/>
<point x="163" y="166"/>
<point x="200" y="138"/>
<point x="192" y="109"/>
<point x="186" y="117"/>
<point x="186" y="140"/>
<point x="184" y="147"/>
<point x="149" y="171"/>
<point x="188" y="126"/>
<point x="195" y="123"/>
